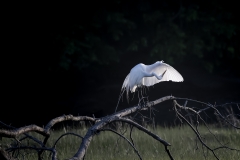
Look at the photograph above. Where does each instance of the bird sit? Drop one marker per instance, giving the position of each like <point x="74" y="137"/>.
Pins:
<point x="148" y="75"/>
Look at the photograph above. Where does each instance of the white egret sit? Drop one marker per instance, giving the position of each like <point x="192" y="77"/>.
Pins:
<point x="148" y="75"/>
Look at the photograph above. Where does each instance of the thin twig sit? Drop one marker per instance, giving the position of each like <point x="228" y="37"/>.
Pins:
<point x="108" y="129"/>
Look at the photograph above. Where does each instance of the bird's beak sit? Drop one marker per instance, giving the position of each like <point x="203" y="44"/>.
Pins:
<point x="164" y="73"/>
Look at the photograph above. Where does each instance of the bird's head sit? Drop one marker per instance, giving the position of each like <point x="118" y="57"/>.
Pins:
<point x="160" y="61"/>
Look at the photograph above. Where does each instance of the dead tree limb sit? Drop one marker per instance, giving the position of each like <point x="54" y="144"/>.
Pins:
<point x="16" y="132"/>
<point x="117" y="117"/>
<point x="26" y="135"/>
<point x="165" y="143"/>
<point x="109" y="129"/>
<point x="4" y="155"/>
<point x="100" y="124"/>
<point x="195" y="129"/>
<point x="210" y="106"/>
<point x="61" y="119"/>
<point x="54" y="153"/>
<point x="54" y="145"/>
<point x="68" y="118"/>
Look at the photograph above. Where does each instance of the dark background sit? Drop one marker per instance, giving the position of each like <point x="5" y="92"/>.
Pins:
<point x="72" y="59"/>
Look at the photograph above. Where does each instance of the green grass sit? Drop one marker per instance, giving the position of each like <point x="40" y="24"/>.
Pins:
<point x="108" y="145"/>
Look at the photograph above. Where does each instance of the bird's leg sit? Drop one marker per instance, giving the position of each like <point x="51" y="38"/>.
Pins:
<point x="141" y="101"/>
<point x="159" y="77"/>
<point x="142" y="94"/>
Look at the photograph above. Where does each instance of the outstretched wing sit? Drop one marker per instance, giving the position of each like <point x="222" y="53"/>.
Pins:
<point x="170" y="75"/>
<point x="126" y="82"/>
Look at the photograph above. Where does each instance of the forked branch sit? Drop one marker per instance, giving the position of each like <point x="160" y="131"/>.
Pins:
<point x="102" y="124"/>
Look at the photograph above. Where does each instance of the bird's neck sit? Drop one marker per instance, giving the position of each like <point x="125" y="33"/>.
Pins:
<point x="152" y="66"/>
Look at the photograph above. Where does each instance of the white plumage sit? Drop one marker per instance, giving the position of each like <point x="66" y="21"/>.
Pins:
<point x="148" y="75"/>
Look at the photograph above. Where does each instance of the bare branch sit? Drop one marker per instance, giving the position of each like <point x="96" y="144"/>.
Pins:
<point x="70" y="133"/>
<point x="210" y="106"/>
<point x="129" y="121"/>
<point x="99" y="124"/>
<point x="67" y="118"/>
<point x="4" y="155"/>
<point x="14" y="133"/>
<point x="108" y="129"/>
<point x="54" y="156"/>
<point x="27" y="135"/>
<point x="195" y="131"/>
<point x="131" y="129"/>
